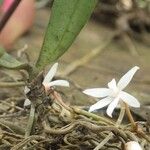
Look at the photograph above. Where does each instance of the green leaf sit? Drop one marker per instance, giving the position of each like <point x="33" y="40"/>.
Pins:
<point x="9" y="62"/>
<point x="67" y="19"/>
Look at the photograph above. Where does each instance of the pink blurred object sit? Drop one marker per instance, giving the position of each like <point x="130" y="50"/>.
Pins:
<point x="6" y="4"/>
<point x="19" y="23"/>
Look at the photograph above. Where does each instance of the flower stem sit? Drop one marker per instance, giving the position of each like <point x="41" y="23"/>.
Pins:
<point x="130" y="117"/>
<point x="134" y="125"/>
<point x="59" y="99"/>
<point x="110" y="135"/>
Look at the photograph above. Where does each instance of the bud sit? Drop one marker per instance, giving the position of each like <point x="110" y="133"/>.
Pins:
<point x="132" y="145"/>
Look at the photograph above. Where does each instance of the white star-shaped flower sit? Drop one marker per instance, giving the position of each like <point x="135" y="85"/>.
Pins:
<point x="48" y="83"/>
<point x="114" y="94"/>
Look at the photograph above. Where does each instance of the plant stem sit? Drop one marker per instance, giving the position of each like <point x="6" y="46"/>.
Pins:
<point x="11" y="84"/>
<point x="30" y="121"/>
<point x="93" y="116"/>
<point x="134" y="126"/>
<point x="130" y="117"/>
<point x="8" y="14"/>
<point x="109" y="136"/>
<point x="33" y="73"/>
<point x="59" y="99"/>
<point x="121" y="115"/>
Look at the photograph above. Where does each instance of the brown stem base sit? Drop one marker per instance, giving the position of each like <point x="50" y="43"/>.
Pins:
<point x="130" y="117"/>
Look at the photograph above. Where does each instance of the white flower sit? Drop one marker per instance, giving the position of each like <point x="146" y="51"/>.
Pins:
<point x="26" y="90"/>
<point x="48" y="83"/>
<point x="27" y="102"/>
<point x="132" y="145"/>
<point x="113" y="94"/>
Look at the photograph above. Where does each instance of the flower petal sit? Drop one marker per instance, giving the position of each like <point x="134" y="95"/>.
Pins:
<point x="124" y="81"/>
<point x="100" y="104"/>
<point x="26" y="90"/>
<point x="112" y="85"/>
<point x="58" y="83"/>
<point x="98" y="92"/>
<point x="27" y="102"/>
<point x="112" y="106"/>
<point x="50" y="74"/>
<point x="129" y="99"/>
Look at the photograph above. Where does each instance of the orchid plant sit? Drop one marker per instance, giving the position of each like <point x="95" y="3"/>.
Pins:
<point x="114" y="94"/>
<point x="61" y="32"/>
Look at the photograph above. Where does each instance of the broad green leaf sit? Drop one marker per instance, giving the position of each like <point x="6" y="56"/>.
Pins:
<point x="67" y="19"/>
<point x="8" y="61"/>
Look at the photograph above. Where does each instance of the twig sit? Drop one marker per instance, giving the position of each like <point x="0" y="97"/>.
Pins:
<point x="6" y="125"/>
<point x="142" y="134"/>
<point x="130" y="45"/>
<point x="17" y="136"/>
<point x="27" y="140"/>
<point x="15" y="128"/>
<point x="119" y="120"/>
<point x="100" y="145"/>
<point x="37" y="145"/>
<point x="11" y="84"/>
<point x="88" y="125"/>
<point x="131" y="136"/>
<point x="8" y="104"/>
<point x="8" y="14"/>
